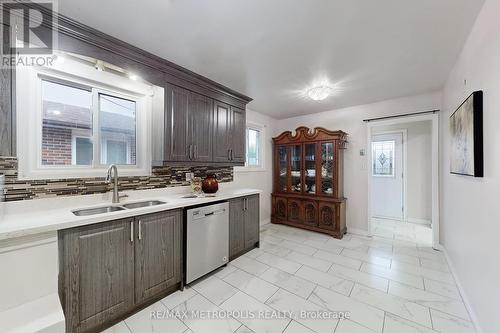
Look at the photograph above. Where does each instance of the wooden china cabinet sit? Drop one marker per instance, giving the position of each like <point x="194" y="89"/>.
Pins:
<point x="308" y="180"/>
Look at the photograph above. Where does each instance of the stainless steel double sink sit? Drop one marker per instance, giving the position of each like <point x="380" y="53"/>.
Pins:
<point x="109" y="209"/>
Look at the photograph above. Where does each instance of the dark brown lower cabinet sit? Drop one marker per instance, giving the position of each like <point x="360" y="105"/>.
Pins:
<point x="108" y="270"/>
<point x="243" y="225"/>
<point x="157" y="254"/>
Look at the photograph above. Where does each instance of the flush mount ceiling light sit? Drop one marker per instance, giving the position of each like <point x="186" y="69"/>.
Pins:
<point x="319" y="93"/>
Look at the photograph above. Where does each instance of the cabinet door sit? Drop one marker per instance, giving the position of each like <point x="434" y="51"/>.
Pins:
<point x="251" y="221"/>
<point x="157" y="253"/>
<point x="295" y="210"/>
<point x="200" y="124"/>
<point x="327" y="216"/>
<point x="98" y="270"/>
<point x="176" y="123"/>
<point x="236" y="227"/>
<point x="238" y="135"/>
<point x="222" y="132"/>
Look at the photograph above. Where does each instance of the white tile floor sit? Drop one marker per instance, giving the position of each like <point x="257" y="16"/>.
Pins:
<point x="393" y="282"/>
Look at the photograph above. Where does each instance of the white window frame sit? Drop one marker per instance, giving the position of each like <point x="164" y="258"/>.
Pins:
<point x="76" y="74"/>
<point x="262" y="152"/>
<point x="104" y="150"/>
<point x="76" y="134"/>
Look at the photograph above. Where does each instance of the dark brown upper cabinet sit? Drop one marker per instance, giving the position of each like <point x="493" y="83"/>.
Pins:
<point x="188" y="126"/>
<point x="229" y="134"/>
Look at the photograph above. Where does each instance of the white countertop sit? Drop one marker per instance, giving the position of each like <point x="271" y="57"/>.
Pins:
<point x="29" y="217"/>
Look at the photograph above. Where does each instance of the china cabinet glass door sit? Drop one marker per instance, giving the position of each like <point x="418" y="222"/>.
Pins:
<point x="310" y="168"/>
<point x="296" y="168"/>
<point x="327" y="167"/>
<point x="283" y="168"/>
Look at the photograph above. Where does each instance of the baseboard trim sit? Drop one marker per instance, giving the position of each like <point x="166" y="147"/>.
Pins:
<point x="264" y="222"/>
<point x="356" y="231"/>
<point x="461" y="290"/>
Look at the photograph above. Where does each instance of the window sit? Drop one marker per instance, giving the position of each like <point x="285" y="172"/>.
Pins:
<point x="255" y="138"/>
<point x="383" y="158"/>
<point x="253" y="147"/>
<point x="77" y="125"/>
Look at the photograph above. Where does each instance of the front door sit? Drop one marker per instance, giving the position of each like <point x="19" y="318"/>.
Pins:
<point x="387" y="176"/>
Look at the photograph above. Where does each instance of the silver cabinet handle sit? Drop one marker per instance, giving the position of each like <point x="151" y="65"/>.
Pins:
<point x="229" y="154"/>
<point x="195" y="151"/>
<point x="140" y="230"/>
<point x="132" y="231"/>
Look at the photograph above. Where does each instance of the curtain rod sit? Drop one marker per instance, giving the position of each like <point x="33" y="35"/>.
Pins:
<point x="400" y="115"/>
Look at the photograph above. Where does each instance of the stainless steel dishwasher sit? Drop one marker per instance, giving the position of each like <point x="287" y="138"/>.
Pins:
<point x="207" y="239"/>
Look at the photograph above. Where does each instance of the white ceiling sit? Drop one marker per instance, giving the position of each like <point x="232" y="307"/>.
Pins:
<point x="272" y="50"/>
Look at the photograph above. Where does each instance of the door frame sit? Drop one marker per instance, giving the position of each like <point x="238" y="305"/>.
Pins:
<point x="404" y="158"/>
<point x="434" y="118"/>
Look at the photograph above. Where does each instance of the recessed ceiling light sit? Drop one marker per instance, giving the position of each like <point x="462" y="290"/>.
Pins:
<point x="55" y="112"/>
<point x="133" y="77"/>
<point x="319" y="93"/>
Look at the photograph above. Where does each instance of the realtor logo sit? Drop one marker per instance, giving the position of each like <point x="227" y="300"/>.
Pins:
<point x="28" y="32"/>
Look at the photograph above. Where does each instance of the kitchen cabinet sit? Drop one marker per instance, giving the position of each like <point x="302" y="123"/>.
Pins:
<point x="200" y="129"/>
<point x="229" y="134"/>
<point x="188" y="122"/>
<point x="97" y="272"/>
<point x="243" y="225"/>
<point x="157" y="253"/>
<point x="110" y="269"/>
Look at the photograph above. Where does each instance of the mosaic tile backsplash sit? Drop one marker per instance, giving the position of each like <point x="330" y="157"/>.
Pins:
<point x="161" y="177"/>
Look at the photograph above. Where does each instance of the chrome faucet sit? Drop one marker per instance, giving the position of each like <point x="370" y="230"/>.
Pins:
<point x="113" y="176"/>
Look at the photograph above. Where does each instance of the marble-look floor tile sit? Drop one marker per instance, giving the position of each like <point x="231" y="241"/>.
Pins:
<point x="255" y="252"/>
<point x="142" y="322"/>
<point x="295" y="327"/>
<point x="271" y="239"/>
<point x="278" y="262"/>
<point x="395" y="324"/>
<point x="424" y="272"/>
<point x="393" y="304"/>
<point x="277" y="250"/>
<point x="437" y="266"/>
<point x="363" y="278"/>
<point x="214" y="289"/>
<point x="326" y="280"/>
<point x="242" y="303"/>
<point x="367" y="257"/>
<point x="431" y="300"/>
<point x="190" y="312"/>
<point x="173" y="300"/>
<point x="251" y="285"/>
<point x="244" y="329"/>
<point x="121" y="327"/>
<point x="296" y="306"/>
<point x="394" y="275"/>
<point x="297" y="247"/>
<point x="359" y="312"/>
<point x="349" y="326"/>
<point x="289" y="282"/>
<point x="445" y="323"/>
<point x="313" y="262"/>
<point x="224" y="271"/>
<point x="325" y="246"/>
<point x="249" y="265"/>
<point x="442" y="288"/>
<point x="338" y="259"/>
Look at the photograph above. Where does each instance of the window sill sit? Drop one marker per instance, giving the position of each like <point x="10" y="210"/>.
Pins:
<point x="249" y="169"/>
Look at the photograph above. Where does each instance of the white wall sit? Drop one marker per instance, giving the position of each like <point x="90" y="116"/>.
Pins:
<point x="350" y="120"/>
<point x="419" y="168"/>
<point x="262" y="180"/>
<point x="470" y="221"/>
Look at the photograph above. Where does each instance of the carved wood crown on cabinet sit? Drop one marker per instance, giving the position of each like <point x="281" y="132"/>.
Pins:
<point x="80" y="39"/>
<point x="308" y="180"/>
